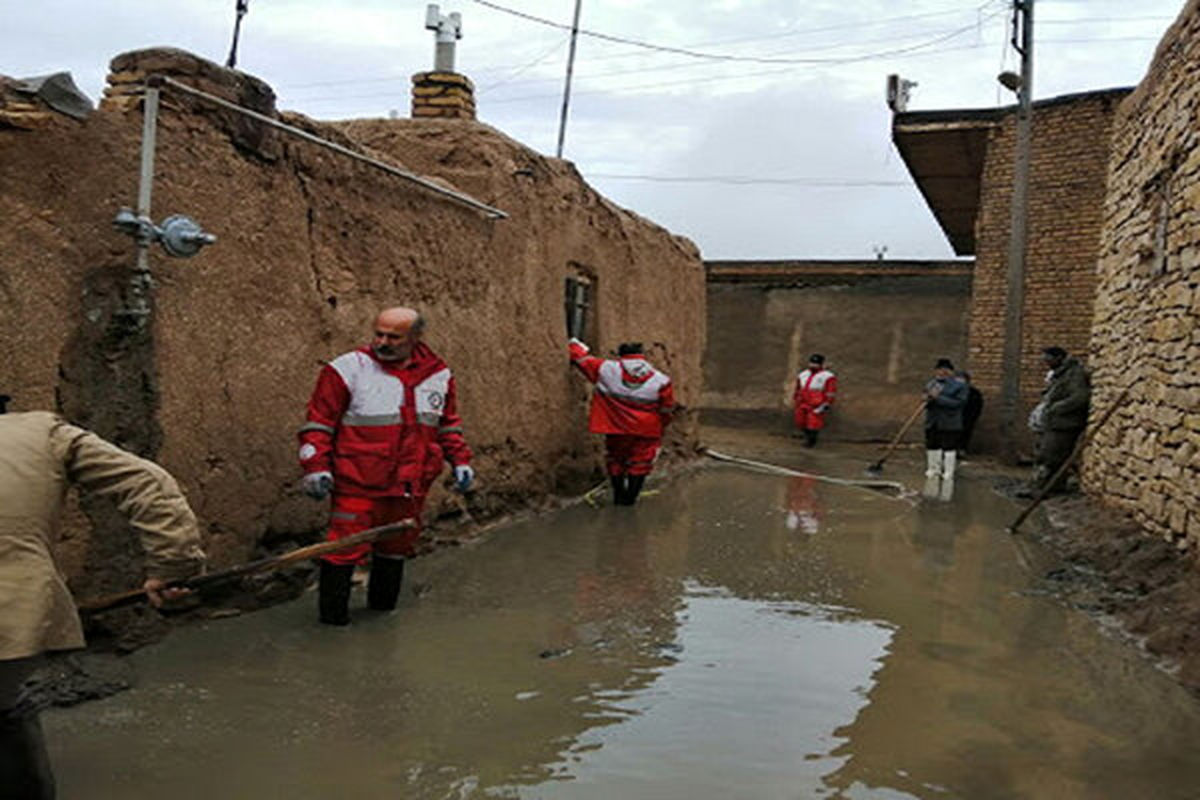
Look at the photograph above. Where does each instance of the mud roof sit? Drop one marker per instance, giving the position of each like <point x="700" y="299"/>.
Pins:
<point x="945" y="150"/>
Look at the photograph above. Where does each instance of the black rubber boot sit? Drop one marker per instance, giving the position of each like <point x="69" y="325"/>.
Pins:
<point x="619" y="490"/>
<point x="383" y="587"/>
<point x="810" y="438"/>
<point x="334" y="593"/>
<point x="24" y="764"/>
<point x="634" y="488"/>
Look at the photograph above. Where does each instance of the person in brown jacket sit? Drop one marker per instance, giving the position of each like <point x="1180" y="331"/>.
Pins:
<point x="40" y="455"/>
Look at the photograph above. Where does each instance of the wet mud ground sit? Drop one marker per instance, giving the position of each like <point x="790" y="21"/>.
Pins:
<point x="736" y="635"/>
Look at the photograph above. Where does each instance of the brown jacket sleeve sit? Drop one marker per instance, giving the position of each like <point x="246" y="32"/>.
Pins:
<point x="145" y="493"/>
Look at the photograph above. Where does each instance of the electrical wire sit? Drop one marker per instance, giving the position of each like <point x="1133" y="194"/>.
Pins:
<point x="642" y="86"/>
<point x="809" y="31"/>
<point x="748" y="180"/>
<point x="520" y="70"/>
<point x="638" y="52"/>
<point x="734" y="58"/>
<point x="678" y="66"/>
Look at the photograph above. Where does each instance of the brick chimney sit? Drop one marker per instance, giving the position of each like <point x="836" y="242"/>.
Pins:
<point x="443" y="94"/>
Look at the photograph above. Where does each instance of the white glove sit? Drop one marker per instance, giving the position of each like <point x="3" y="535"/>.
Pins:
<point x="463" y="476"/>
<point x="821" y="409"/>
<point x="317" y="484"/>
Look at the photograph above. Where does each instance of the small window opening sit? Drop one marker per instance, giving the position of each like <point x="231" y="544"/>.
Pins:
<point x="578" y="305"/>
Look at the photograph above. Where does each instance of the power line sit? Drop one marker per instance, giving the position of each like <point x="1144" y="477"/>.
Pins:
<point x="1094" y="20"/>
<point x="520" y="70"/>
<point x="733" y="58"/>
<point x="749" y="180"/>
<point x="784" y="34"/>
<point x="686" y="65"/>
<point x="613" y="56"/>
<point x="808" y="31"/>
<point x="611" y="73"/>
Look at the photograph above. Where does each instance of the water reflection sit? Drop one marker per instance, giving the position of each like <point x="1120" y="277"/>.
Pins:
<point x="694" y="646"/>
<point x="803" y="506"/>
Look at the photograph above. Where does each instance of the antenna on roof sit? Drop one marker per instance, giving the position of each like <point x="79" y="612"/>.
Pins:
<point x="242" y="7"/>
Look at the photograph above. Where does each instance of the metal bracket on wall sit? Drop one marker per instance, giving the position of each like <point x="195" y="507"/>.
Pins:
<point x="180" y="235"/>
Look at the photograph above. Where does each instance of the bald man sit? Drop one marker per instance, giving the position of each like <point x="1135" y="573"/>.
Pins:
<point x="380" y="422"/>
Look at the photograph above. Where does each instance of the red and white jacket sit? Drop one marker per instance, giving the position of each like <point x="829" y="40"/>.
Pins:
<point x="814" y="388"/>
<point x="383" y="428"/>
<point x="631" y="396"/>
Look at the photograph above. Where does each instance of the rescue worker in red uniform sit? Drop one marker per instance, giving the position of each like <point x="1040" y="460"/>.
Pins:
<point x="631" y="405"/>
<point x="816" y="388"/>
<point x="380" y="422"/>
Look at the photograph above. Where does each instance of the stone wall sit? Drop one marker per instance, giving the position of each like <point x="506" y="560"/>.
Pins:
<point x="1147" y="459"/>
<point x="311" y="245"/>
<point x="1068" y="171"/>
<point x="881" y="325"/>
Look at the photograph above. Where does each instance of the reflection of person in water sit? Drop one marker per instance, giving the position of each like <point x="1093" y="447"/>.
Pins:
<point x="803" y="510"/>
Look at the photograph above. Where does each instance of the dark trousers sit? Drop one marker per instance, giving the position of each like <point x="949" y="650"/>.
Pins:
<point x="1054" y="448"/>
<point x="24" y="764"/>
<point x="937" y="439"/>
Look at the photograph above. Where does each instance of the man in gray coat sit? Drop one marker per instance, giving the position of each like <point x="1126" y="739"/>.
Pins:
<point x="945" y="396"/>
<point x="1063" y="413"/>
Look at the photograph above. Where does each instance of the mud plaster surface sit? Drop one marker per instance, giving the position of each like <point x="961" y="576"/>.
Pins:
<point x="1140" y="585"/>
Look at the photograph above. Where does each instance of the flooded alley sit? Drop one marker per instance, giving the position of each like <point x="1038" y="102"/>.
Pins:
<point x="735" y="635"/>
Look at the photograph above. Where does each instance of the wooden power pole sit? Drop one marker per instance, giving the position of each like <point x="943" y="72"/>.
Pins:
<point x="562" y="119"/>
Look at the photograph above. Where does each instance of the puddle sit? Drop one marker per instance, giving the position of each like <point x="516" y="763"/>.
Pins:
<point x="737" y="635"/>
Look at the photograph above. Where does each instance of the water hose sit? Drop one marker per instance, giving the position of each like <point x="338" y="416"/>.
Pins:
<point x="871" y="485"/>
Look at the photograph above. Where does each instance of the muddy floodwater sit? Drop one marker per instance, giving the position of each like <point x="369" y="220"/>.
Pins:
<point x="736" y="635"/>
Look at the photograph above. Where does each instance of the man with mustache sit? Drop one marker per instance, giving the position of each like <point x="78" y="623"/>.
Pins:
<point x="380" y="422"/>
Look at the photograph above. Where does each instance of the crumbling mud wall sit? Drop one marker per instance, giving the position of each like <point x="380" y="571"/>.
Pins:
<point x="213" y="384"/>
<point x="880" y="325"/>
<point x="1146" y="333"/>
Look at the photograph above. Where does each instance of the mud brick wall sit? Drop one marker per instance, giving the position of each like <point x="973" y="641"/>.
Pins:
<point x="311" y="245"/>
<point x="1068" y="169"/>
<point x="880" y="325"/>
<point x="1147" y="459"/>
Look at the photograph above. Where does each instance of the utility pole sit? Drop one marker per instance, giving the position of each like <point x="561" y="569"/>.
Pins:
<point x="1018" y="232"/>
<point x="242" y="7"/>
<point x="562" y="119"/>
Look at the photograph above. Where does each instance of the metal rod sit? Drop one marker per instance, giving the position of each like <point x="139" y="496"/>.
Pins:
<point x="1080" y="443"/>
<point x="137" y="301"/>
<point x="337" y="148"/>
<point x="562" y="118"/>
<point x="242" y="6"/>
<point x="149" y="140"/>
<point x="1018" y="236"/>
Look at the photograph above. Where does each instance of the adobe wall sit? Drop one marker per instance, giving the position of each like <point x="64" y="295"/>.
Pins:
<point x="880" y="325"/>
<point x="1068" y="168"/>
<point x="311" y="246"/>
<point x="1146" y="334"/>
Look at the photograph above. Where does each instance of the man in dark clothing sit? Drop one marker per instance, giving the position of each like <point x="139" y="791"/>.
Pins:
<point x="971" y="411"/>
<point x="945" y="396"/>
<point x="1063" y="413"/>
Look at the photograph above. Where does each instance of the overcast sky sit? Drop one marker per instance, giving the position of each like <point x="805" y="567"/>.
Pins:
<point x="750" y="160"/>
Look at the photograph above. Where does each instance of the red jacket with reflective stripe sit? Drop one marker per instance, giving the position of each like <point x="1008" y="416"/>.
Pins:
<point x="383" y="428"/>
<point x="815" y="388"/>
<point x="631" y="396"/>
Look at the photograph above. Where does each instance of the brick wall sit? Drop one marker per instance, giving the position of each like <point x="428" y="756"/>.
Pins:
<point x="1148" y="301"/>
<point x="1066" y="196"/>
<point x="881" y="325"/>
